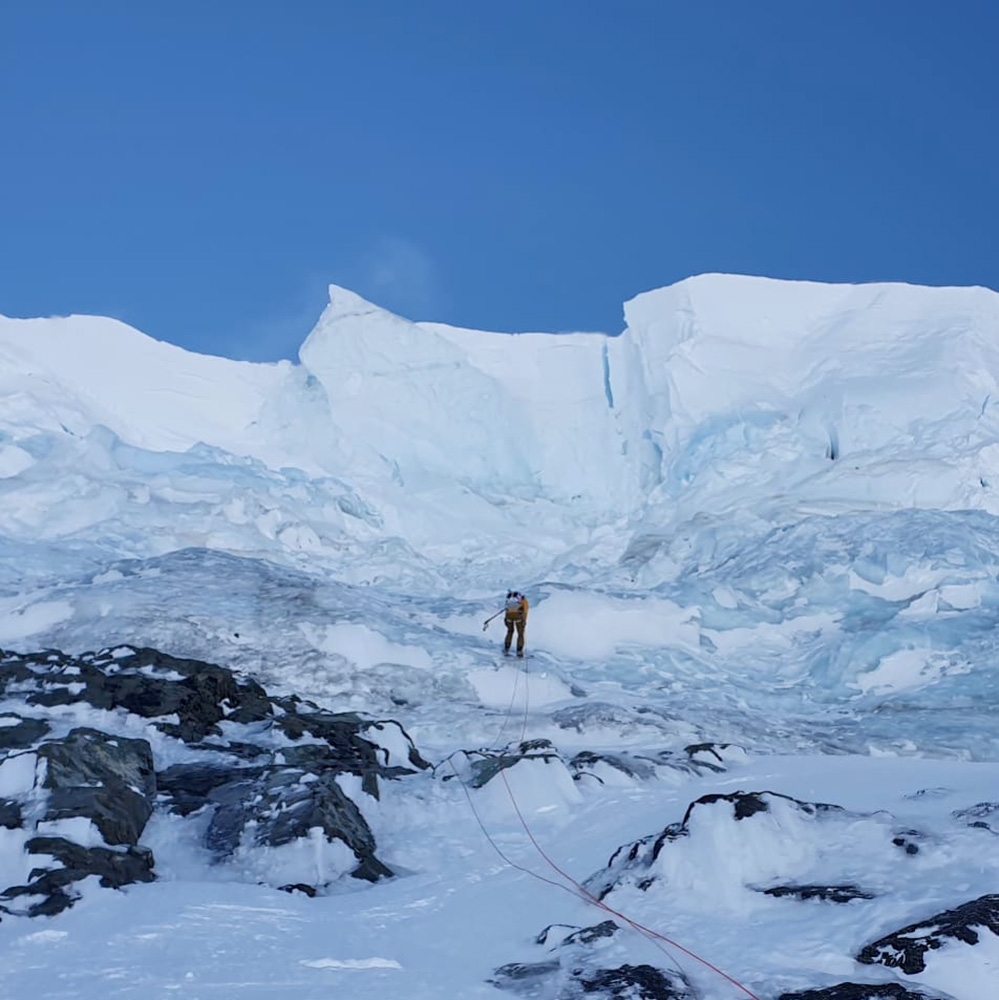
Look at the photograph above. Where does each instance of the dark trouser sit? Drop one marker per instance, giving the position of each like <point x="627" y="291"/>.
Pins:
<point x="511" y="624"/>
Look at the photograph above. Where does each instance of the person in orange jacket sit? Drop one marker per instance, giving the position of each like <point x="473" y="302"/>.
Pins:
<point x="515" y="617"/>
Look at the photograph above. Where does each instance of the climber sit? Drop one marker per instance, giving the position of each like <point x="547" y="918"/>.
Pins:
<point x="515" y="616"/>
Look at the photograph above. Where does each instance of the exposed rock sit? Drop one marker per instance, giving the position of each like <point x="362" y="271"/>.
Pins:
<point x="518" y="975"/>
<point x="829" y="893"/>
<point x="983" y="816"/>
<point x="20" y="734"/>
<point x="744" y="804"/>
<point x="113" y="868"/>
<point x="574" y="979"/>
<point x="147" y="683"/>
<point x="579" y="935"/>
<point x="906" y="949"/>
<point x="634" y="767"/>
<point x="280" y="794"/>
<point x="233" y="748"/>
<point x="906" y="841"/>
<point x="347" y="749"/>
<point x="602" y="715"/>
<point x="484" y="765"/>
<point x="863" y="991"/>
<point x="284" y="805"/>
<point x="587" y="935"/>
<point x="306" y="890"/>
<point x="579" y="970"/>
<point x="187" y="787"/>
<point x="634" y="982"/>
<point x="10" y="814"/>
<point x="697" y="759"/>
<point x="109" y="780"/>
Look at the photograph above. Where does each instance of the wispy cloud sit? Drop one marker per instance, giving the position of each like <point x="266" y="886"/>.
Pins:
<point x="395" y="273"/>
<point x="280" y="334"/>
<point x="400" y="275"/>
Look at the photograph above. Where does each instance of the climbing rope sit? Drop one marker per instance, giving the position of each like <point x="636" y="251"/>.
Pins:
<point x="574" y="887"/>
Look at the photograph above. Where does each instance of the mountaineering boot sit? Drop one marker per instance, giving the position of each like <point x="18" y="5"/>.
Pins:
<point x="520" y="653"/>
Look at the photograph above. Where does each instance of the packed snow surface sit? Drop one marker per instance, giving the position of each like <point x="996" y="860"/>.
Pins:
<point x="763" y="515"/>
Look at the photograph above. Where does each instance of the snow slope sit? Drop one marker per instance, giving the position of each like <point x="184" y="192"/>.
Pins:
<point x="764" y="514"/>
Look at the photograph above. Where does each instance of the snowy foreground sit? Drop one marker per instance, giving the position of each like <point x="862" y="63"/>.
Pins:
<point x="759" y="718"/>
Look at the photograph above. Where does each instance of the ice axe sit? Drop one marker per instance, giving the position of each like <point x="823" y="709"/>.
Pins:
<point x="485" y="624"/>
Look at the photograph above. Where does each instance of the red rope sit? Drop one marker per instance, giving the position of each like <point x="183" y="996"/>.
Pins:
<point x="588" y="897"/>
<point x="575" y="887"/>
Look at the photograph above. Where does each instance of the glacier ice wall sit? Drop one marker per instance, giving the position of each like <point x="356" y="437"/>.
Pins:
<point x="725" y="400"/>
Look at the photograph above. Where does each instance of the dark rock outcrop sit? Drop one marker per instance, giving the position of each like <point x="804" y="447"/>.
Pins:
<point x="113" y="869"/>
<point x="346" y="749"/>
<point x="261" y="790"/>
<point x="907" y="840"/>
<point x="696" y="759"/>
<point x="520" y="975"/>
<point x="108" y="779"/>
<point x="305" y="890"/>
<point x="587" y="935"/>
<point x="863" y="991"/>
<point x="186" y="788"/>
<point x="284" y="805"/>
<point x="827" y="893"/>
<point x="484" y="765"/>
<point x="634" y="982"/>
<point x="10" y="814"/>
<point x="22" y="733"/>
<point x="906" y="949"/>
<point x="144" y="682"/>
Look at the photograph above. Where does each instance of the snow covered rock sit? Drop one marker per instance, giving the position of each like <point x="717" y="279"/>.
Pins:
<point x="864" y="991"/>
<point x="982" y="815"/>
<point x="144" y="682"/>
<point x="910" y="948"/>
<point x="641" y="982"/>
<point x="350" y="743"/>
<point x="187" y="787"/>
<point x="484" y="765"/>
<point x="271" y="779"/>
<point x="582" y="968"/>
<point x="750" y="841"/>
<point x="50" y="887"/>
<point x="285" y="805"/>
<point x="605" y="766"/>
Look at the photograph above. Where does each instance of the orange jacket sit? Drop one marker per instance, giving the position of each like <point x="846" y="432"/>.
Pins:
<point x="518" y="613"/>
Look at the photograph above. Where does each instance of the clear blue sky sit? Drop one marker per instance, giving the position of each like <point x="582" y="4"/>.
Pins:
<point x="203" y="170"/>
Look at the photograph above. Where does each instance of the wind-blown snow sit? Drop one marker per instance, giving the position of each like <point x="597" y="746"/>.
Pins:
<point x="763" y="514"/>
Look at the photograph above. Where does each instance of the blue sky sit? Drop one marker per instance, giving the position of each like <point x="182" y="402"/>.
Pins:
<point x="203" y="170"/>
